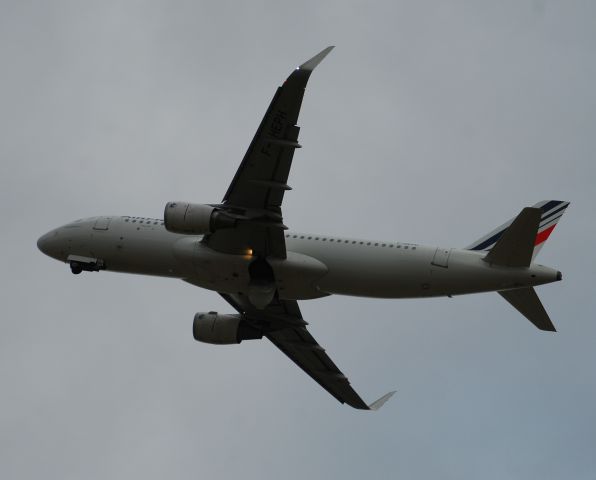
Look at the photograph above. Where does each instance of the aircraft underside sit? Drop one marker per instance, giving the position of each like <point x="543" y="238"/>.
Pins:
<point x="242" y="249"/>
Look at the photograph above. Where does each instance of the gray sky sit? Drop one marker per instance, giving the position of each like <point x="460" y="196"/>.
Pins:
<point x="431" y="122"/>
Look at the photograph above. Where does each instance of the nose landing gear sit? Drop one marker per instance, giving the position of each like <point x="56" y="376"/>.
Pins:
<point x="76" y="267"/>
<point x="79" y="264"/>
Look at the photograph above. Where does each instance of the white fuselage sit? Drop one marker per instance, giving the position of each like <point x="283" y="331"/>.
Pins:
<point x="316" y="265"/>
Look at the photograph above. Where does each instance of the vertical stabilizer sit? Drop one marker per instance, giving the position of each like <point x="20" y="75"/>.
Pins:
<point x="516" y="245"/>
<point x="552" y="211"/>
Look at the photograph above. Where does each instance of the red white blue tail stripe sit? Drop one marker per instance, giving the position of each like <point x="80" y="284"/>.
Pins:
<point x="552" y="211"/>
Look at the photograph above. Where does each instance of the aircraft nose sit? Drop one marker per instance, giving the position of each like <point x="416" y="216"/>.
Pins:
<point x="46" y="243"/>
<point x="42" y="243"/>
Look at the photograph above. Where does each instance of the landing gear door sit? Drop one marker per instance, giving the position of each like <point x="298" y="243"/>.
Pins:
<point x="102" y="223"/>
<point x="441" y="258"/>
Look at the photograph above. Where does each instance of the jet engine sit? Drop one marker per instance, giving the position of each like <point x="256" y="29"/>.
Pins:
<point x="211" y="327"/>
<point x="193" y="218"/>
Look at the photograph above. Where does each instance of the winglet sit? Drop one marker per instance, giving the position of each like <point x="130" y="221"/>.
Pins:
<point x="374" y="406"/>
<point x="310" y="65"/>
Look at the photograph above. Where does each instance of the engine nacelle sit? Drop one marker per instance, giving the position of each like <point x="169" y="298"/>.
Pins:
<point x="211" y="327"/>
<point x="193" y="218"/>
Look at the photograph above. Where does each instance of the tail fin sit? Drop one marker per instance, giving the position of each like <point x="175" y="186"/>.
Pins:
<point x="526" y="302"/>
<point x="552" y="211"/>
<point x="516" y="246"/>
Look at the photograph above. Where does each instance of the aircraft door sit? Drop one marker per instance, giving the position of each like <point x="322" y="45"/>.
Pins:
<point x="441" y="258"/>
<point x="102" y="223"/>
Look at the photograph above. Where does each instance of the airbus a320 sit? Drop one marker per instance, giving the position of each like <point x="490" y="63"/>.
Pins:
<point x="242" y="249"/>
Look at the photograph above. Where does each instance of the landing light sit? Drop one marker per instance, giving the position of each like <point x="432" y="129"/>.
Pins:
<point x="249" y="251"/>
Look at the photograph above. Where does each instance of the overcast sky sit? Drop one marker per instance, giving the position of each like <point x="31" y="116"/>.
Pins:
<point x="431" y="122"/>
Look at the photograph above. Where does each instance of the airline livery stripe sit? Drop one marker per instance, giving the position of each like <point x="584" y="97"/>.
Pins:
<point x="546" y="229"/>
<point x="552" y="211"/>
<point x="549" y="222"/>
<point x="542" y="236"/>
<point x="550" y="205"/>
<point x="544" y="217"/>
<point x="490" y="241"/>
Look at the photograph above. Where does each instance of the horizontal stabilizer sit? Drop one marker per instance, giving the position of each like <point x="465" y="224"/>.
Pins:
<point x="516" y="246"/>
<point x="380" y="402"/>
<point x="526" y="302"/>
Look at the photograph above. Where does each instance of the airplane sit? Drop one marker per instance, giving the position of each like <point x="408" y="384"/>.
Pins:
<point x="241" y="249"/>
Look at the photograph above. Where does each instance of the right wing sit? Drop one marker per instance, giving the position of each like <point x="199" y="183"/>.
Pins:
<point x="286" y="329"/>
<point x="260" y="181"/>
<point x="257" y="190"/>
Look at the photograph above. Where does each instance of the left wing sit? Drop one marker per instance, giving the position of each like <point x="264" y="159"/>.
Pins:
<point x="283" y="324"/>
<point x="257" y="190"/>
